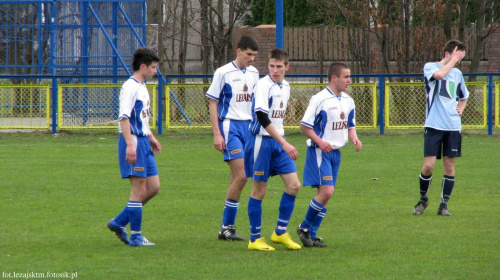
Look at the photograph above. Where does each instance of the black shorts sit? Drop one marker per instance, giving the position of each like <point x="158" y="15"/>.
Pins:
<point x="441" y="142"/>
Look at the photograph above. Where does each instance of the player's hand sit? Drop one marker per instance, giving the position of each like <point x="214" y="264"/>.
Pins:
<point x="457" y="55"/>
<point x="219" y="143"/>
<point x="131" y="154"/>
<point x="459" y="111"/>
<point x="325" y="146"/>
<point x="291" y="151"/>
<point x="156" y="146"/>
<point x="358" y="144"/>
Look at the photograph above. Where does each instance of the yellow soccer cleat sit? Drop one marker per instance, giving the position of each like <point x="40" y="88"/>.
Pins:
<point x="260" y="245"/>
<point x="286" y="240"/>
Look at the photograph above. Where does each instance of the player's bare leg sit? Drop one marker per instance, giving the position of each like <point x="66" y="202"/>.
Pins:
<point x="237" y="179"/>
<point x="152" y="188"/>
<point x="237" y="182"/>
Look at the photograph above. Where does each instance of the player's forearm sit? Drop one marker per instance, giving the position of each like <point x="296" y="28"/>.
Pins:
<point x="443" y="71"/>
<point x="271" y="129"/>
<point x="309" y="132"/>
<point x="353" y="136"/>
<point x="126" y="132"/>
<point x="462" y="104"/>
<point x="214" y="119"/>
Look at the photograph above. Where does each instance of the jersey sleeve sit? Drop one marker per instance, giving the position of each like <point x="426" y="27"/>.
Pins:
<point x="429" y="70"/>
<point x="128" y="97"/>
<point x="261" y="96"/>
<point x="215" y="88"/>
<point x="310" y="114"/>
<point x="351" y="118"/>
<point x="462" y="91"/>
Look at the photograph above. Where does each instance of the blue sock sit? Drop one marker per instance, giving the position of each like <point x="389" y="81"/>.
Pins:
<point x="230" y="211"/>
<point x="317" y="222"/>
<point x="286" y="208"/>
<point x="134" y="209"/>
<point x="313" y="210"/>
<point x="255" y="218"/>
<point x="122" y="218"/>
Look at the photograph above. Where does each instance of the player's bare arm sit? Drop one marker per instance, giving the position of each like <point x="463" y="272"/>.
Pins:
<point x="448" y="63"/>
<point x="323" y="145"/>
<point x="219" y="143"/>
<point x="287" y="147"/>
<point x="353" y="136"/>
<point x="155" y="145"/>
<point x="131" y="154"/>
<point x="461" y="106"/>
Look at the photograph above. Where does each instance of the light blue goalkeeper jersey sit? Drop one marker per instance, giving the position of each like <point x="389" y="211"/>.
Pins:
<point x="442" y="98"/>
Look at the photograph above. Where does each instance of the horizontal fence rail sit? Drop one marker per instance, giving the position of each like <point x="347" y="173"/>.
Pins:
<point x="179" y="102"/>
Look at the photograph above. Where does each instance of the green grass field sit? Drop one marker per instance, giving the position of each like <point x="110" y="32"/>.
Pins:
<point x="58" y="193"/>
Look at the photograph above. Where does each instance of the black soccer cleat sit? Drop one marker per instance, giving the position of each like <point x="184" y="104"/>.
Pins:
<point x="443" y="210"/>
<point x="305" y="237"/>
<point x="318" y="242"/>
<point x="228" y="233"/>
<point x="420" y="207"/>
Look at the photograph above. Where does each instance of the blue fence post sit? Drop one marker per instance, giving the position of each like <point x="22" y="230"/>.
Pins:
<point x="381" y="94"/>
<point x="279" y="25"/>
<point x="159" y="121"/>
<point x="490" y="104"/>
<point x="52" y="69"/>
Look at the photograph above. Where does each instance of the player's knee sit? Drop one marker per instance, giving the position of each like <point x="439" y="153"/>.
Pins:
<point x="326" y="192"/>
<point x="293" y="188"/>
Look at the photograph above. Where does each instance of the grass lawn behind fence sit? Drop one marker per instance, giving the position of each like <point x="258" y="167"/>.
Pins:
<point x="58" y="193"/>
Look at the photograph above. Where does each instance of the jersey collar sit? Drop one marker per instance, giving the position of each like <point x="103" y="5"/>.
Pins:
<point x="137" y="80"/>
<point x="333" y="94"/>
<point x="236" y="66"/>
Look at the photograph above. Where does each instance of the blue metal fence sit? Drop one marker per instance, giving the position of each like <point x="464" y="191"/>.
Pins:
<point x="162" y="81"/>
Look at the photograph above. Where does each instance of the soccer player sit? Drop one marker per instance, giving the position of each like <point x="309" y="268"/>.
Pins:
<point x="329" y="122"/>
<point x="230" y="114"/>
<point x="446" y="99"/>
<point x="136" y="148"/>
<point x="267" y="153"/>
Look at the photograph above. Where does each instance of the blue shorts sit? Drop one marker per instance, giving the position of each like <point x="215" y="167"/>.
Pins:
<point x="442" y="142"/>
<point x="145" y="165"/>
<point x="321" y="168"/>
<point x="264" y="157"/>
<point x="234" y="134"/>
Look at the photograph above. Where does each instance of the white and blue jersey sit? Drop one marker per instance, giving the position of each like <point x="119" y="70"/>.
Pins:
<point x="264" y="156"/>
<point x="442" y="98"/>
<point x="135" y="106"/>
<point x="270" y="98"/>
<point x="232" y="87"/>
<point x="330" y="116"/>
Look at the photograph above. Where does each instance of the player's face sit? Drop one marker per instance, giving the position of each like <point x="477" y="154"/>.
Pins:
<point x="244" y="58"/>
<point x="277" y="69"/>
<point x="342" y="81"/>
<point x="149" y="71"/>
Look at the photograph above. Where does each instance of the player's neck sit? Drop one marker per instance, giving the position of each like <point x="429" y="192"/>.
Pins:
<point x="335" y="91"/>
<point x="239" y="64"/>
<point x="139" y="77"/>
<point x="443" y="61"/>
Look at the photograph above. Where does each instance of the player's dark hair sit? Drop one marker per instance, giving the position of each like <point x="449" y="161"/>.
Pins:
<point x="451" y="44"/>
<point x="247" y="42"/>
<point x="336" y="69"/>
<point x="143" y="56"/>
<point x="280" y="55"/>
